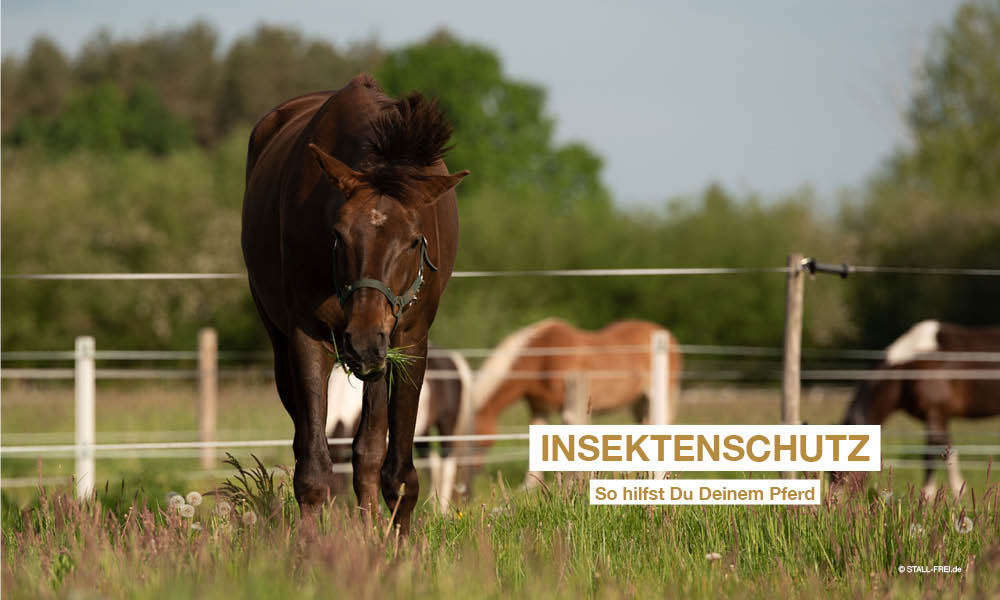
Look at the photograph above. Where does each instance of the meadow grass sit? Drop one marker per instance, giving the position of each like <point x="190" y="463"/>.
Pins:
<point x="499" y="541"/>
<point x="546" y="543"/>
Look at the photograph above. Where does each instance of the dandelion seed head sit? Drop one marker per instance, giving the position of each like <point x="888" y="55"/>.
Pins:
<point x="175" y="501"/>
<point x="249" y="517"/>
<point x="963" y="525"/>
<point x="186" y="510"/>
<point x="223" y="508"/>
<point x="885" y="495"/>
<point x="193" y="498"/>
<point x="711" y="556"/>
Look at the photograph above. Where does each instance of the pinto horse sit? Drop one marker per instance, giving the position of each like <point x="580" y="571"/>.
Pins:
<point x="534" y="362"/>
<point x="445" y="408"/>
<point x="350" y="232"/>
<point x="934" y="400"/>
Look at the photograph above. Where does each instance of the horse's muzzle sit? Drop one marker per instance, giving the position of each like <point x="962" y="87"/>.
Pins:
<point x="365" y="355"/>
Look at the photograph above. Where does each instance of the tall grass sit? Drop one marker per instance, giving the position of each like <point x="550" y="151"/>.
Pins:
<point x="546" y="543"/>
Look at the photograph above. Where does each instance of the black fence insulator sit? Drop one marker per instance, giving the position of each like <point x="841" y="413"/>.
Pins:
<point x="814" y="267"/>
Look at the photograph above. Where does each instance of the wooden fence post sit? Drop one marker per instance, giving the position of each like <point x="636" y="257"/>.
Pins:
<point x="791" y="383"/>
<point x="85" y="392"/>
<point x="208" y="391"/>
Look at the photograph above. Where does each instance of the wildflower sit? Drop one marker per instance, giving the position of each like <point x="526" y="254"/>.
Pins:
<point x="885" y="495"/>
<point x="186" y="510"/>
<point x="171" y="495"/>
<point x="916" y="529"/>
<point x="223" y="508"/>
<point x="249" y="517"/>
<point x="963" y="525"/>
<point x="193" y="498"/>
<point x="713" y="556"/>
<point x="175" y="501"/>
<point x="459" y="515"/>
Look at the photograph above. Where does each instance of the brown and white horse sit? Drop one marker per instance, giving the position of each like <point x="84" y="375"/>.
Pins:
<point x="534" y="363"/>
<point x="927" y="347"/>
<point x="445" y="408"/>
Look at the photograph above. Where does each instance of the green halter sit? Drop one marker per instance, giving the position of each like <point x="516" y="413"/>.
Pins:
<point x="397" y="303"/>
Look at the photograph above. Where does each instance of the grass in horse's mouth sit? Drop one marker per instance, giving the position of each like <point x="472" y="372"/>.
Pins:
<point x="395" y="360"/>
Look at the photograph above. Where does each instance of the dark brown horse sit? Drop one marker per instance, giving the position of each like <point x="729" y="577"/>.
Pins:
<point x="350" y="231"/>
<point x="934" y="400"/>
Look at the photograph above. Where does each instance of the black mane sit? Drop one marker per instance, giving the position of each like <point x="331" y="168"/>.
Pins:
<point x="410" y="135"/>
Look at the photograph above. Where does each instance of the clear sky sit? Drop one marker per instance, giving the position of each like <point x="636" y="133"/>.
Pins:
<point x="761" y="96"/>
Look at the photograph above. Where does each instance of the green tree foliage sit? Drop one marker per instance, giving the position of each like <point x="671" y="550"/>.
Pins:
<point x="212" y="91"/>
<point x="134" y="213"/>
<point x="502" y="133"/>
<point x="105" y="121"/>
<point x="937" y="204"/>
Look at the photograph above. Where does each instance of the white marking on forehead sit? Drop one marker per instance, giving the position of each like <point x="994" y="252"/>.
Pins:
<point x="921" y="338"/>
<point x="376" y="217"/>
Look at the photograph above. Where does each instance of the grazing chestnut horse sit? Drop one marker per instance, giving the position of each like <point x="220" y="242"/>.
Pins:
<point x="933" y="400"/>
<point x="350" y="231"/>
<point x="445" y="409"/>
<point x="533" y="363"/>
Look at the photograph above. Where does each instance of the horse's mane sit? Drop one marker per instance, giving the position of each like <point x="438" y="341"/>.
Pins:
<point x="410" y="135"/>
<point x="494" y="370"/>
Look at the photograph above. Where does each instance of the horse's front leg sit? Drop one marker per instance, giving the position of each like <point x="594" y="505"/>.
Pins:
<point x="310" y="364"/>
<point x="400" y="485"/>
<point x="369" y="445"/>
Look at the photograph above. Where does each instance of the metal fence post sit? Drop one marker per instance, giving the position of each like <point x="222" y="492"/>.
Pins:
<point x="85" y="392"/>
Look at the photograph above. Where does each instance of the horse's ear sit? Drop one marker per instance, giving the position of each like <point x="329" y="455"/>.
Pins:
<point x="345" y="178"/>
<point x="433" y="186"/>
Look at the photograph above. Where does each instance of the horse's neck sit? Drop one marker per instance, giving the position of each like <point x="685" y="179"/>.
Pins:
<point x="883" y="399"/>
<point x="488" y="414"/>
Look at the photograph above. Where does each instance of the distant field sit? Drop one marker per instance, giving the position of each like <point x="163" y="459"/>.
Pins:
<point x="149" y="412"/>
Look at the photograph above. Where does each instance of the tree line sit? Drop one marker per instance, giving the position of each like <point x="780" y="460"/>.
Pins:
<point x="129" y="157"/>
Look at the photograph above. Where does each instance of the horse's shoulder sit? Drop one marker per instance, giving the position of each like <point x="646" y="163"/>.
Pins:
<point x="275" y="119"/>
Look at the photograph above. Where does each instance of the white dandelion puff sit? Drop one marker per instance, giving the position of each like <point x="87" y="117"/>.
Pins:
<point x="249" y="517"/>
<point x="186" y="510"/>
<point x="223" y="508"/>
<point x="885" y="495"/>
<point x="711" y="556"/>
<point x="963" y="525"/>
<point x="193" y="498"/>
<point x="175" y="501"/>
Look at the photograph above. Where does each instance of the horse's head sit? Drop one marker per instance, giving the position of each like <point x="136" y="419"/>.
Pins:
<point x="379" y="252"/>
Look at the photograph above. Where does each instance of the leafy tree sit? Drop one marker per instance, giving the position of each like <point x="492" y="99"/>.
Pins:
<point x="502" y="134"/>
<point x="105" y="121"/>
<point x="938" y="203"/>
